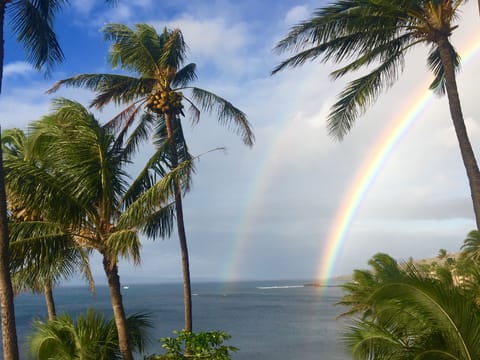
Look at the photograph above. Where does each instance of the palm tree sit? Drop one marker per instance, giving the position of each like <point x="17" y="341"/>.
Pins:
<point x="377" y="35"/>
<point x="364" y="282"/>
<point x="32" y="22"/>
<point x="160" y="87"/>
<point x="442" y="254"/>
<point x="90" y="337"/>
<point x="471" y="246"/>
<point x="418" y="317"/>
<point x="38" y="263"/>
<point x="84" y="193"/>
<point x="407" y="314"/>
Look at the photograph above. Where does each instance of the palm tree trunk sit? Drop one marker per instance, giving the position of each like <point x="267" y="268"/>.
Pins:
<point x="182" y="237"/>
<point x="9" y="330"/>
<point x="466" y="149"/>
<point x="111" y="270"/>
<point x="48" y="292"/>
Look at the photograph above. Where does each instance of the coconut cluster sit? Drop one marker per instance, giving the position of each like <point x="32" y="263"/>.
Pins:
<point x="164" y="102"/>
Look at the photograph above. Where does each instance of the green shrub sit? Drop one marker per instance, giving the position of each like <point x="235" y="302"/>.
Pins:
<point x="205" y="345"/>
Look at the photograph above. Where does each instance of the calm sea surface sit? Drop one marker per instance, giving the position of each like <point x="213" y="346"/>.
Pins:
<point x="267" y="319"/>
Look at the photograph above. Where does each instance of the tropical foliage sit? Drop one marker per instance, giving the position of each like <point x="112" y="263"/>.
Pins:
<point x="38" y="261"/>
<point x="32" y="21"/>
<point x="90" y="337"/>
<point x="157" y="94"/>
<point x="83" y="193"/>
<point x="187" y="345"/>
<point x="407" y="314"/>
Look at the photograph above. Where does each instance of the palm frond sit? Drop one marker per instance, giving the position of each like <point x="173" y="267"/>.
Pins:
<point x="442" y="307"/>
<point x="110" y="87"/>
<point x="153" y="170"/>
<point x="14" y="143"/>
<point x="226" y="113"/>
<point x="140" y="133"/>
<point x="123" y="121"/>
<point x="33" y="22"/>
<point x="42" y="190"/>
<point x="124" y="243"/>
<point x="155" y="198"/>
<point x="471" y="245"/>
<point x="184" y="76"/>
<point x="136" y="51"/>
<point x="435" y="64"/>
<point x="360" y="93"/>
<point x="159" y="224"/>
<point x="173" y="51"/>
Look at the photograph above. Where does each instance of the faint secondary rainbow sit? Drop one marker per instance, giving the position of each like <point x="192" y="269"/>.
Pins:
<point x="370" y="169"/>
<point x="252" y="214"/>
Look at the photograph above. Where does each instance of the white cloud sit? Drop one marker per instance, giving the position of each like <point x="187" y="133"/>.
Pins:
<point x="83" y="6"/>
<point x="296" y="14"/>
<point x="213" y="41"/>
<point x="21" y="68"/>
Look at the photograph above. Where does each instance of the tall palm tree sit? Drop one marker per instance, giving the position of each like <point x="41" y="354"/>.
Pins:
<point x="33" y="23"/>
<point x="161" y="86"/>
<point x="377" y="35"/>
<point x="85" y="193"/>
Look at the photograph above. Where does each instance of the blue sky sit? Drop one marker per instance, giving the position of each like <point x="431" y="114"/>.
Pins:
<point x="265" y="212"/>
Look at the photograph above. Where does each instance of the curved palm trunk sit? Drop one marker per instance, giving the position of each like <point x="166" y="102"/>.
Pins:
<point x="111" y="270"/>
<point x="466" y="149"/>
<point x="9" y="331"/>
<point x="48" y="292"/>
<point x="182" y="237"/>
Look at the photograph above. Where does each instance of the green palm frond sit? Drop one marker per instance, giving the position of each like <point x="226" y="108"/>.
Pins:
<point x="15" y="144"/>
<point x="123" y="121"/>
<point x="156" y="197"/>
<point x="161" y="142"/>
<point x="159" y="224"/>
<point x="471" y="245"/>
<point x="40" y="189"/>
<point x="85" y="268"/>
<point x="444" y="308"/>
<point x="33" y="22"/>
<point x="136" y="51"/>
<point x="140" y="133"/>
<point x="360" y="94"/>
<point x="153" y="171"/>
<point x="184" y="76"/>
<point x="435" y="64"/>
<point x="173" y="51"/>
<point x="369" y="340"/>
<point x="110" y="87"/>
<point x="91" y="337"/>
<point x="226" y="113"/>
<point x="124" y="243"/>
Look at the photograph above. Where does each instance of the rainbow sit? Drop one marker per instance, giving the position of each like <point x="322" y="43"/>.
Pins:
<point x="251" y="215"/>
<point x="369" y="171"/>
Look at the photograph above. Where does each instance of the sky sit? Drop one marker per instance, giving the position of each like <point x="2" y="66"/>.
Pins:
<point x="267" y="212"/>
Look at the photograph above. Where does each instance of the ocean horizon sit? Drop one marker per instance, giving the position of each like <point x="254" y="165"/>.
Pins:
<point x="267" y="319"/>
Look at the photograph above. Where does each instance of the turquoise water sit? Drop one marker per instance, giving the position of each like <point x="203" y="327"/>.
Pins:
<point x="267" y="319"/>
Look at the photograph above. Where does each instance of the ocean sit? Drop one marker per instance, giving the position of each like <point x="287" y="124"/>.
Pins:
<point x="268" y="320"/>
